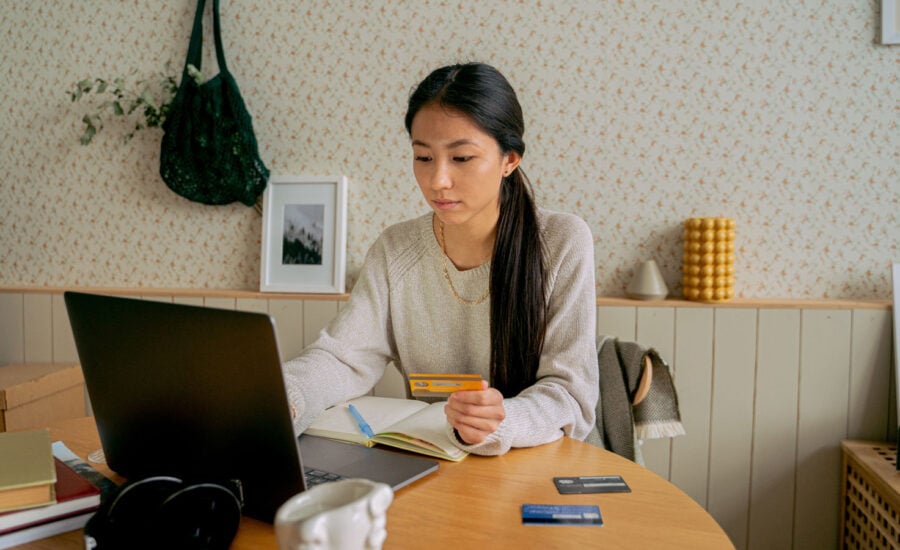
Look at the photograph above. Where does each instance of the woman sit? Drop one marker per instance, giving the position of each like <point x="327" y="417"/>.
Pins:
<point x="486" y="284"/>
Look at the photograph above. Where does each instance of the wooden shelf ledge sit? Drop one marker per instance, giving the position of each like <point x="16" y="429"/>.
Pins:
<point x="606" y="301"/>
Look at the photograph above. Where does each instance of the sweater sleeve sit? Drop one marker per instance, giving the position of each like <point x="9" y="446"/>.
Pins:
<point x="563" y="400"/>
<point x="350" y="354"/>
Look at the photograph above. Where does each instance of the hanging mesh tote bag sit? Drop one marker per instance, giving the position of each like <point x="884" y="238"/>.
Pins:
<point x="209" y="153"/>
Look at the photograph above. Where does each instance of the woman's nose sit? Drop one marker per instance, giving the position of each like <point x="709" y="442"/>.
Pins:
<point x="440" y="178"/>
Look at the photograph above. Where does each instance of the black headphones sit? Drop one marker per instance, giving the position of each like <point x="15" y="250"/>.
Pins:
<point x="166" y="512"/>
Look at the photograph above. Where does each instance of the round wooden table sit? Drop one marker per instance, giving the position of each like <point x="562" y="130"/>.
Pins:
<point x="477" y="503"/>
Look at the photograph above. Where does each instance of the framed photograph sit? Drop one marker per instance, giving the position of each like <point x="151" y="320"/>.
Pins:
<point x="304" y="234"/>
<point x="890" y="21"/>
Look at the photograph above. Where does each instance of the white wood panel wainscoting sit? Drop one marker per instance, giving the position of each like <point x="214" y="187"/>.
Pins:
<point x="767" y="390"/>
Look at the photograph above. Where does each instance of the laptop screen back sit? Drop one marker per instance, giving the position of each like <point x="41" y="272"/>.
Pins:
<point x="188" y="391"/>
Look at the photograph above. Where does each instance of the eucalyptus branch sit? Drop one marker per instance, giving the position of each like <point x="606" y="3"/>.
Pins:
<point x="146" y="103"/>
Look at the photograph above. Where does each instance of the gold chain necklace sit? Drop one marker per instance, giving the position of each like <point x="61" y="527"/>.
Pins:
<point x="459" y="298"/>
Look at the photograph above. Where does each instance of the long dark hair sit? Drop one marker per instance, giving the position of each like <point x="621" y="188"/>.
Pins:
<point x="518" y="301"/>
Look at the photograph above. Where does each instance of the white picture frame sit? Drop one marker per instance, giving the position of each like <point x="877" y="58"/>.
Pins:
<point x="890" y="21"/>
<point x="304" y="235"/>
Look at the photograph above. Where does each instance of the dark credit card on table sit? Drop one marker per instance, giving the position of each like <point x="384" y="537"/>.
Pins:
<point x="580" y="485"/>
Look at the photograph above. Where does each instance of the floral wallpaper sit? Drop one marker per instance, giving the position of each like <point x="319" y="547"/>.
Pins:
<point x="639" y="115"/>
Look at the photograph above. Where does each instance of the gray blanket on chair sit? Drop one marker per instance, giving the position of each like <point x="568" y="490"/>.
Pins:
<point x="621" y="424"/>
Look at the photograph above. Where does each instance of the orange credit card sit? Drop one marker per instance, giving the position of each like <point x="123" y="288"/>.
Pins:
<point x="442" y="385"/>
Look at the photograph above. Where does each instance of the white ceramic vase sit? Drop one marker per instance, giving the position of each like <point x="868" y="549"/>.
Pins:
<point x="647" y="283"/>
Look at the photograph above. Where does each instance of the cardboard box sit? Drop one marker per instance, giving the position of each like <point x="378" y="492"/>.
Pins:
<point x="34" y="395"/>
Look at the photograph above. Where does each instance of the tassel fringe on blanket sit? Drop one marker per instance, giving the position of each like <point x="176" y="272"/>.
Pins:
<point x="658" y="430"/>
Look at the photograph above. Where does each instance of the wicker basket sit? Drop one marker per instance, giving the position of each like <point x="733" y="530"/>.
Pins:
<point x="870" y="499"/>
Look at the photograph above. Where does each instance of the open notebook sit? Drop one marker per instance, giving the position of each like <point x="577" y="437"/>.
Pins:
<point x="403" y="423"/>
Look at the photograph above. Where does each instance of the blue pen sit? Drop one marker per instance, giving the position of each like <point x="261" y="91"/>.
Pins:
<point x="363" y="425"/>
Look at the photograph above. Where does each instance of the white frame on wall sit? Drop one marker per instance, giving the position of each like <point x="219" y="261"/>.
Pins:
<point x="325" y="198"/>
<point x="890" y="21"/>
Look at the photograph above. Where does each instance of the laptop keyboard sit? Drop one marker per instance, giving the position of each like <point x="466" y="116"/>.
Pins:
<point x="317" y="477"/>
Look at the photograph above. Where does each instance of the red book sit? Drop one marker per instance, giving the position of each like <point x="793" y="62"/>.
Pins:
<point x="74" y="495"/>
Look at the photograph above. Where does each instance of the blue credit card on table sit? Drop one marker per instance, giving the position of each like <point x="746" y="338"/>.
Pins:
<point x="561" y="514"/>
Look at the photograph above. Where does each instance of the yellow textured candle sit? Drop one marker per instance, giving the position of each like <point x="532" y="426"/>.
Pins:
<point x="708" y="263"/>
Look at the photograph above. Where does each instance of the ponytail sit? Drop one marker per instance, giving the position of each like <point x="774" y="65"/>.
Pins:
<point x="518" y="301"/>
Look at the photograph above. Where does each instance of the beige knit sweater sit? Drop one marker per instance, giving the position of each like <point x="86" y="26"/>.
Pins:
<point x="401" y="310"/>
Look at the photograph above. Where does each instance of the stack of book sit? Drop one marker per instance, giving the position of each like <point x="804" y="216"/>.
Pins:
<point x="40" y="495"/>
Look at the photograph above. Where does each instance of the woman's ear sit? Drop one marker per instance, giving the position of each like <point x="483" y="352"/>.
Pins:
<point x="511" y="161"/>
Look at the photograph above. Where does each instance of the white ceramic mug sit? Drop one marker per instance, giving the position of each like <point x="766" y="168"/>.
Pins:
<point x="350" y="514"/>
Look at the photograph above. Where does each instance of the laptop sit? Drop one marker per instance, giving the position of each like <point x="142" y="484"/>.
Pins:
<point x="198" y="393"/>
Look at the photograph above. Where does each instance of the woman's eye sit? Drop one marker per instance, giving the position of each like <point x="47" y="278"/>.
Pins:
<point x="421" y="158"/>
<point x="462" y="159"/>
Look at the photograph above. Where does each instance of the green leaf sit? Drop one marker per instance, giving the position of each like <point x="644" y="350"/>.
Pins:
<point x="117" y="108"/>
<point x="88" y="134"/>
<point x="147" y="98"/>
<point x="171" y="86"/>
